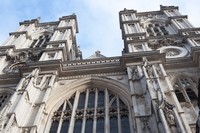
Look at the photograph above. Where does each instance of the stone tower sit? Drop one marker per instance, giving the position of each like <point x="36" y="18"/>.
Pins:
<point x="164" y="69"/>
<point x="46" y="86"/>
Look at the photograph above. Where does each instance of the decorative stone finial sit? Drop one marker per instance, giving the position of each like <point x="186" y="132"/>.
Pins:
<point x="97" y="52"/>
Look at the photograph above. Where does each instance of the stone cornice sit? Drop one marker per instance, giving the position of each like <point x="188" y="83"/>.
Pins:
<point x="182" y="62"/>
<point x="29" y="22"/>
<point x="135" y="41"/>
<point x="178" y="17"/>
<point x="7" y="47"/>
<point x="135" y="34"/>
<point x="130" y="21"/>
<point x="47" y="23"/>
<point x="63" y="28"/>
<point x="9" y="79"/>
<point x="168" y="7"/>
<point x="73" y="16"/>
<point x="18" y="33"/>
<point x="147" y="13"/>
<point x="127" y="11"/>
<point x="57" y="42"/>
<point x="137" y="57"/>
<point x="91" y="66"/>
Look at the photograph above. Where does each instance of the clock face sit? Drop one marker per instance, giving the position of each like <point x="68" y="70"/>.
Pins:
<point x="173" y="51"/>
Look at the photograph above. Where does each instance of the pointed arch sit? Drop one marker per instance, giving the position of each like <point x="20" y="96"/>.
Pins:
<point x="61" y="93"/>
<point x="185" y="89"/>
<point x="161" y="21"/>
<point x="118" y="100"/>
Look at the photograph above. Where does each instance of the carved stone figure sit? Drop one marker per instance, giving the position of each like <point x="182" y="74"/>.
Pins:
<point x="41" y="82"/>
<point x="26" y="81"/>
<point x="155" y="44"/>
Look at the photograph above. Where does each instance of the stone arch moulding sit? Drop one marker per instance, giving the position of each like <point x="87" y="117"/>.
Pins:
<point x="160" y="21"/>
<point x="66" y="91"/>
<point x="39" y="33"/>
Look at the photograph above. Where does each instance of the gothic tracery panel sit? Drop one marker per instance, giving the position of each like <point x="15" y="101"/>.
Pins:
<point x="92" y="110"/>
<point x="186" y="93"/>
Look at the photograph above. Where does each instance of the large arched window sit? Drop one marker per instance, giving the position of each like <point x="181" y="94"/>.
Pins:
<point x="92" y="110"/>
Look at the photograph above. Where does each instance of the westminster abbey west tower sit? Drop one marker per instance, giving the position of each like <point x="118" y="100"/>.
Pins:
<point x="46" y="86"/>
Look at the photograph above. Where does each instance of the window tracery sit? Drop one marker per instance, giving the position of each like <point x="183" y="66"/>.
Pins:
<point x="4" y="97"/>
<point x="156" y="29"/>
<point x="186" y="93"/>
<point x="93" y="110"/>
<point x="41" y="41"/>
<point x="184" y="87"/>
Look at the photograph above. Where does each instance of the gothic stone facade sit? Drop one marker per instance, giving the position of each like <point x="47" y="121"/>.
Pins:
<point x="46" y="86"/>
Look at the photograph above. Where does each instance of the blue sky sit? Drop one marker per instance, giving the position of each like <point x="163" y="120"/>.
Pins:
<point x="97" y="19"/>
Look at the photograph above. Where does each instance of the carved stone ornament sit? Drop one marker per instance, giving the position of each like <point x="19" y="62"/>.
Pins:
<point x="41" y="82"/>
<point x="174" y="51"/>
<point x="149" y="17"/>
<point x="146" y="128"/>
<point x="7" y="70"/>
<point x="19" y="60"/>
<point x="158" y="43"/>
<point x="135" y="75"/>
<point x="169" y="114"/>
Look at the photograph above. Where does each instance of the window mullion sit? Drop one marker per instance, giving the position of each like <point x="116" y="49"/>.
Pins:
<point x="61" y="118"/>
<point x="72" y="120"/>
<point x="182" y="89"/>
<point x="194" y="88"/>
<point x="95" y="111"/>
<point x="118" y="115"/>
<point x="106" y="105"/>
<point x="85" y="108"/>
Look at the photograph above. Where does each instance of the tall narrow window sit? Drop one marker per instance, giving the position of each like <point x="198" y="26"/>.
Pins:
<point x="191" y="94"/>
<point x="54" y="127"/>
<point x="113" y="124"/>
<point x="100" y="125"/>
<point x="81" y="102"/>
<point x="91" y="99"/>
<point x="125" y="124"/>
<point x="33" y="43"/>
<point x="101" y="99"/>
<point x="179" y="96"/>
<point x="89" y="125"/>
<point x="77" y="126"/>
<point x="65" y="126"/>
<point x="4" y="97"/>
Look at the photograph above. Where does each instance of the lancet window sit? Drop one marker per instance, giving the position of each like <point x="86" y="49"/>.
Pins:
<point x="186" y="93"/>
<point x="41" y="41"/>
<point x="92" y="110"/>
<point x="185" y="89"/>
<point x="4" y="97"/>
<point x="156" y="29"/>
